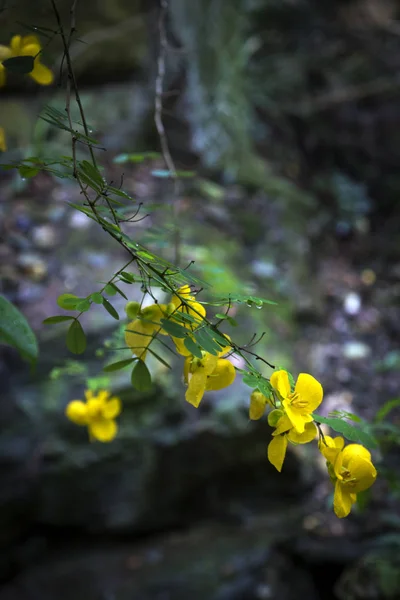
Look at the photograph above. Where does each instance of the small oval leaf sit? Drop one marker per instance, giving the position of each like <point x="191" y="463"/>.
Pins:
<point x="76" y="338"/>
<point x="57" y="319"/>
<point x="19" y="64"/>
<point x="110" y="309"/>
<point x="68" y="301"/>
<point x="97" y="298"/>
<point x="121" y="364"/>
<point x="141" y="378"/>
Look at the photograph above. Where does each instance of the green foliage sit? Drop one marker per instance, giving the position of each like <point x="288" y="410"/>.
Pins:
<point x="16" y="332"/>
<point x="76" y="338"/>
<point x="141" y="378"/>
<point x="355" y="434"/>
<point x="117" y="366"/>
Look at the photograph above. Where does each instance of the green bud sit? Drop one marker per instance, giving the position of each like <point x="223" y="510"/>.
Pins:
<point x="274" y="416"/>
<point x="132" y="309"/>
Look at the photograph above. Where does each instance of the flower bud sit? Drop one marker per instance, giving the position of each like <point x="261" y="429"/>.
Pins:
<point x="274" y="416"/>
<point x="132" y="309"/>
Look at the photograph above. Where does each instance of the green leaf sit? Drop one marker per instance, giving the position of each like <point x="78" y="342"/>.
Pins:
<point x="206" y="342"/>
<point x="96" y="297"/>
<point x="193" y="347"/>
<point x="56" y="319"/>
<point x="26" y="171"/>
<point x="110" y="289"/>
<point x="135" y="158"/>
<point x="84" y="305"/>
<point x="173" y="328"/>
<point x="350" y="432"/>
<point x="141" y="378"/>
<point x="121" y="364"/>
<point x="116" y="291"/>
<point x="221" y="316"/>
<point x="68" y="301"/>
<point x="386" y="409"/>
<point x="128" y="277"/>
<point x="110" y="309"/>
<point x="76" y="338"/>
<point x="16" y="332"/>
<point x="22" y="65"/>
<point x="159" y="358"/>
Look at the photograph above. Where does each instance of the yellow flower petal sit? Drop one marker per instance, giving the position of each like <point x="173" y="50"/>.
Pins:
<point x="309" y="433"/>
<point x="16" y="45"/>
<point x="342" y="501"/>
<point x="362" y="475"/>
<point x="138" y="336"/>
<point x="196" y="388"/>
<point x="222" y="376"/>
<point x="112" y="408"/>
<point x="2" y="76"/>
<point x="41" y="74"/>
<point x="258" y="402"/>
<point x="355" y="451"/>
<point x="3" y="143"/>
<point x="30" y="50"/>
<point x="309" y="390"/>
<point x="280" y="381"/>
<point x="103" y="430"/>
<point x="298" y="419"/>
<point x="77" y="412"/>
<point x="29" y="40"/>
<point x="330" y="448"/>
<point x="5" y="52"/>
<point x="180" y="346"/>
<point x="283" y="425"/>
<point x="277" y="451"/>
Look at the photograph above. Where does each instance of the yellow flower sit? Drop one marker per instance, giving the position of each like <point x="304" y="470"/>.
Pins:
<point x="258" y="403"/>
<point x="205" y="374"/>
<point x="298" y="405"/>
<point x="355" y="473"/>
<point x="98" y="413"/>
<point x="140" y="333"/>
<point x="193" y="309"/>
<point x="284" y="433"/>
<point x="28" y="45"/>
<point x="3" y="144"/>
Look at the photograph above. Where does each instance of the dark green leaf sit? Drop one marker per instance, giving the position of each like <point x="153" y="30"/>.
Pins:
<point x="386" y="409"/>
<point x="110" y="309"/>
<point x="350" y="432"/>
<point x="76" y="338"/>
<point x="174" y="329"/>
<point x="116" y="290"/>
<point x="121" y="364"/>
<point x="206" y="342"/>
<point x="56" y="319"/>
<point x="22" y="65"/>
<point x="141" y="378"/>
<point x="129" y="278"/>
<point x="16" y="332"/>
<point x="193" y="347"/>
<point x="159" y="358"/>
<point x="26" y="171"/>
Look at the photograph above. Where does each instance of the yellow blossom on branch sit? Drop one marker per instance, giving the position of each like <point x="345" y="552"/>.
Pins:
<point x="258" y="404"/>
<point x="28" y="45"/>
<point x="3" y="143"/>
<point x="206" y="374"/>
<point x="284" y="433"/>
<point x="98" y="413"/>
<point x="352" y="472"/>
<point x="140" y="332"/>
<point x="300" y="403"/>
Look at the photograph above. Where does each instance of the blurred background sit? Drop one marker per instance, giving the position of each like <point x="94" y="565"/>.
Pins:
<point x="287" y="112"/>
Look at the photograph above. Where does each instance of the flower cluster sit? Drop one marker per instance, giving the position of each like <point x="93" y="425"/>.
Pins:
<point x="28" y="45"/>
<point x="200" y="374"/>
<point x="98" y="414"/>
<point x="350" y="468"/>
